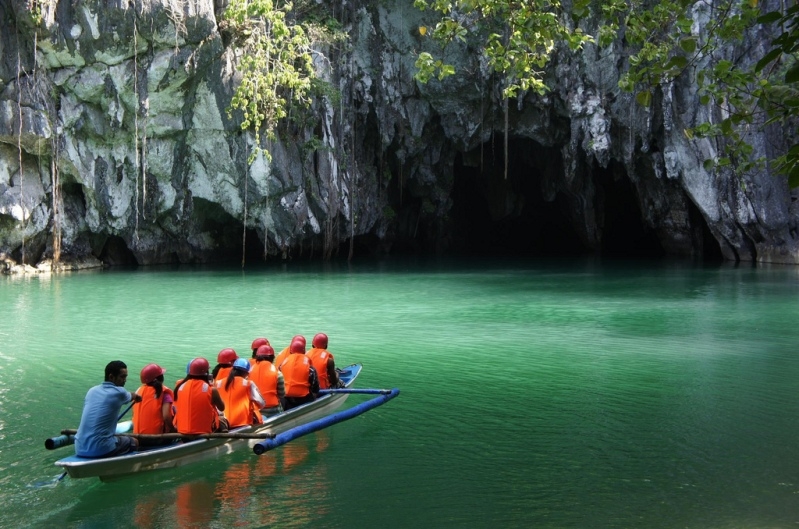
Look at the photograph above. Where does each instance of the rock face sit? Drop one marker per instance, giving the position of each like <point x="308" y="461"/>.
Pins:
<point x="115" y="145"/>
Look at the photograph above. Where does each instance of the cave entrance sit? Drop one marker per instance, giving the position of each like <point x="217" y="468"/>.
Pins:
<point x="115" y="252"/>
<point x="495" y="215"/>
<point x="624" y="233"/>
<point x="226" y="232"/>
<point x="524" y="214"/>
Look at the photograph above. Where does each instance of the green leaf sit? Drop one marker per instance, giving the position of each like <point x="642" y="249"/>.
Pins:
<point x="709" y="164"/>
<point x="677" y="61"/>
<point x="792" y="75"/>
<point x="688" y="44"/>
<point x="767" y="58"/>
<point x="644" y="98"/>
<point x="768" y="18"/>
<point x="726" y="126"/>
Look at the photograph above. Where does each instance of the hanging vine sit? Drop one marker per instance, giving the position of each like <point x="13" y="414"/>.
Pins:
<point x="136" y="125"/>
<point x="275" y="63"/>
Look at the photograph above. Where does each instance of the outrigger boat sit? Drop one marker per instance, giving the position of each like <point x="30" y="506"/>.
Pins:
<point x="277" y="430"/>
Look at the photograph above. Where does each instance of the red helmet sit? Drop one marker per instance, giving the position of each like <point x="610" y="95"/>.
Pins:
<point x="150" y="372"/>
<point x="265" y="350"/>
<point x="297" y="346"/>
<point x="258" y="342"/>
<point x="198" y="366"/>
<point x="299" y="338"/>
<point x="320" y="341"/>
<point x="226" y="356"/>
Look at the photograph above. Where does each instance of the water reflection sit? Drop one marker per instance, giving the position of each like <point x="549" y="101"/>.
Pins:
<point x="261" y="491"/>
<point x="194" y="504"/>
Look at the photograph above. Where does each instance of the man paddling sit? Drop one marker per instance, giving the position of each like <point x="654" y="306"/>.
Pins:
<point x="98" y="422"/>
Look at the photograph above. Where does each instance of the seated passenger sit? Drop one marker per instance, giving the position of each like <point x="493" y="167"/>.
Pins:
<point x="197" y="402"/>
<point x="243" y="401"/>
<point x="269" y="380"/>
<point x="302" y="384"/>
<point x="153" y="415"/>
<point x="258" y="342"/>
<point x="224" y="361"/>
<point x="98" y="421"/>
<point x="285" y="352"/>
<point x="323" y="362"/>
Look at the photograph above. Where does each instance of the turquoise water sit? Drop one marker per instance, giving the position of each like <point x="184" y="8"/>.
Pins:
<point x="534" y="394"/>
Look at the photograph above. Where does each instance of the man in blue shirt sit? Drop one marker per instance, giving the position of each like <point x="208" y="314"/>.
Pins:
<point x="98" y="422"/>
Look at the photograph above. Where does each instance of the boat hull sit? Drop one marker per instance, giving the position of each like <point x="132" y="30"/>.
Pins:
<point x="184" y="453"/>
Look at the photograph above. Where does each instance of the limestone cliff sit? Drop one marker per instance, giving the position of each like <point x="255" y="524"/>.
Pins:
<point x="115" y="147"/>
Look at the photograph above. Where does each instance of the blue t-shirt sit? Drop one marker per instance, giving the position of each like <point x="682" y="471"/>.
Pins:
<point x="98" y="422"/>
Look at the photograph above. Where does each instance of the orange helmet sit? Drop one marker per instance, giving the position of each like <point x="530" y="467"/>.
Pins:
<point x="320" y="341"/>
<point x="258" y="342"/>
<point x="150" y="372"/>
<point x="198" y="366"/>
<point x="297" y="346"/>
<point x="265" y="351"/>
<point x="226" y="356"/>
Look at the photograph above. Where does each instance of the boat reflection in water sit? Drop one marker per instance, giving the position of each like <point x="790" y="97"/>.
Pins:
<point x="266" y="491"/>
<point x="272" y="489"/>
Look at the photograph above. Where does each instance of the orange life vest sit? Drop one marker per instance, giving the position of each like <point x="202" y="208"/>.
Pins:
<point x="239" y="408"/>
<point x="147" y="415"/>
<point x="195" y="411"/>
<point x="296" y="370"/>
<point x="264" y="375"/>
<point x="222" y="373"/>
<point x="319" y="359"/>
<point x="284" y="354"/>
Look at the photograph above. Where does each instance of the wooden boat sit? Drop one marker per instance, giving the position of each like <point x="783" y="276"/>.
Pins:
<point x="185" y="452"/>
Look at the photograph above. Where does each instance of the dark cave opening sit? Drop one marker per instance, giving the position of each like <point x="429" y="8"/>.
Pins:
<point x="525" y="214"/>
<point x="227" y="232"/>
<point x="115" y="252"/>
<point x="495" y="215"/>
<point x="624" y="233"/>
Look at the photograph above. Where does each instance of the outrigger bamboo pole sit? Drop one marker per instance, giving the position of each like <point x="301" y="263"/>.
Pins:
<point x="214" y="435"/>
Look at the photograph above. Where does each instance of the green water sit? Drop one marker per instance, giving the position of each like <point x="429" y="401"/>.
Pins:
<point x="546" y="395"/>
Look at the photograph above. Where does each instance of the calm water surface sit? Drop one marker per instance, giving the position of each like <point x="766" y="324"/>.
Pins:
<point x="546" y="395"/>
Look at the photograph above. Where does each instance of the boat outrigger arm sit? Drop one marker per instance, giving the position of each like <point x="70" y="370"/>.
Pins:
<point x="384" y="395"/>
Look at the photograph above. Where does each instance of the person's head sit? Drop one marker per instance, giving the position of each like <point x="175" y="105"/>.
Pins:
<point x="297" y="347"/>
<point x="151" y="373"/>
<point x="226" y="357"/>
<point x="198" y="368"/>
<point x="265" y="352"/>
<point x="320" y="341"/>
<point x="258" y="342"/>
<point x="240" y="364"/>
<point x="116" y="372"/>
<point x="240" y="368"/>
<point x="298" y="338"/>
